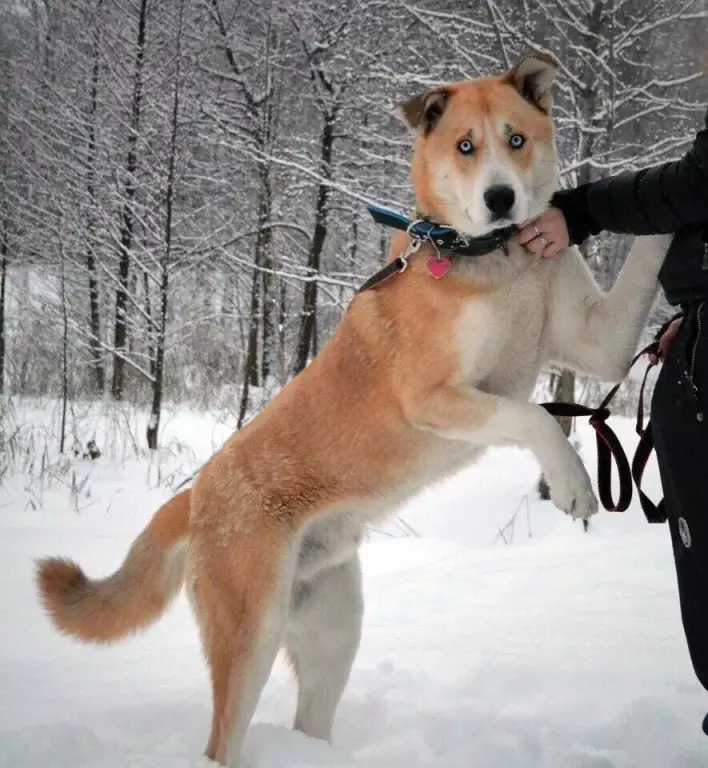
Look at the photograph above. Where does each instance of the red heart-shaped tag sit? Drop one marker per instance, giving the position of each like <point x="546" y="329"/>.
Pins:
<point x="438" y="266"/>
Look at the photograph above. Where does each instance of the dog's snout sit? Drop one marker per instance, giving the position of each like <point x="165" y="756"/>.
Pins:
<point x="499" y="199"/>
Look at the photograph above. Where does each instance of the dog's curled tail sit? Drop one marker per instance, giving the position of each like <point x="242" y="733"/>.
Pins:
<point x="137" y="594"/>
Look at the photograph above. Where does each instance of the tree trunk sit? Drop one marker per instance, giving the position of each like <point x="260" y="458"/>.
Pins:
<point x="564" y="392"/>
<point x="157" y="387"/>
<point x="250" y="371"/>
<point x="265" y="258"/>
<point x="99" y="377"/>
<point x="128" y="214"/>
<point x="153" y="328"/>
<point x="315" y="344"/>
<point x="353" y="251"/>
<point x="306" y="336"/>
<point x="282" y="315"/>
<point x="383" y="246"/>
<point x="159" y="366"/>
<point x="4" y="237"/>
<point x="269" y="357"/>
<point x="261" y="288"/>
<point x="64" y="352"/>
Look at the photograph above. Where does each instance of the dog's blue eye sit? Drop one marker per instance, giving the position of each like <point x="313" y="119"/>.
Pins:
<point x="516" y="141"/>
<point x="465" y="147"/>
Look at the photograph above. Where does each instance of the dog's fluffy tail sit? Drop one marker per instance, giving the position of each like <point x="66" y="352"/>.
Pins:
<point x="137" y="594"/>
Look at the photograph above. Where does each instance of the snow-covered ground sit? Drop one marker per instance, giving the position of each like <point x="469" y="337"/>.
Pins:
<point x="497" y="634"/>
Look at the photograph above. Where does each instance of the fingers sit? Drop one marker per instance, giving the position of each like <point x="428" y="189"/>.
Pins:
<point x="546" y="235"/>
<point x="666" y="341"/>
<point x="540" y="245"/>
<point x="553" y="249"/>
<point x="529" y="233"/>
<point x="533" y="231"/>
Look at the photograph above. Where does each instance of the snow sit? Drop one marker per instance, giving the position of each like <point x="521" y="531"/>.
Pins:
<point x="544" y="647"/>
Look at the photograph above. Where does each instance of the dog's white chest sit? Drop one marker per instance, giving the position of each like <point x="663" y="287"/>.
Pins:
<point x="501" y="341"/>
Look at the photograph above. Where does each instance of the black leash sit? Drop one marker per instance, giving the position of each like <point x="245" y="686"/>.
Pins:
<point x="610" y="449"/>
<point x="394" y="267"/>
<point x="655" y="513"/>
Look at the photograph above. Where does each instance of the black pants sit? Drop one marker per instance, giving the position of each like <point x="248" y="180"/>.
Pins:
<point x="679" y="415"/>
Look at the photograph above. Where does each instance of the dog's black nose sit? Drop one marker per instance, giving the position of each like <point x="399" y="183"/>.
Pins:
<point x="500" y="200"/>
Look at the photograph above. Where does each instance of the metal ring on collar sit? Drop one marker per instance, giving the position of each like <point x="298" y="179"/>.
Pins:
<point x="413" y="224"/>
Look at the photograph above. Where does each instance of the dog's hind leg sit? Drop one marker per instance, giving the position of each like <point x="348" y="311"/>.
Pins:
<point x="322" y="640"/>
<point x="240" y="590"/>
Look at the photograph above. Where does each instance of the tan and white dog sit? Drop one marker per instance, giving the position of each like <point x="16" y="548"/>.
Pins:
<point x="420" y="377"/>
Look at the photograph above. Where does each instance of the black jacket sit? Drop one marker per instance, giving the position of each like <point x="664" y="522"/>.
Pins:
<point x="672" y="197"/>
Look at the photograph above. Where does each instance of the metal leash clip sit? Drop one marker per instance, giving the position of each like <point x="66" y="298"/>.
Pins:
<point x="410" y="249"/>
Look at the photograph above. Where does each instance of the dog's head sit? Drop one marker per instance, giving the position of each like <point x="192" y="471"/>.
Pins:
<point x="485" y="150"/>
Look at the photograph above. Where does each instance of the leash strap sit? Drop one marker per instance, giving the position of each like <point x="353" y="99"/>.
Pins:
<point x="395" y="267"/>
<point x="609" y="448"/>
<point x="392" y="268"/>
<point x="654" y="513"/>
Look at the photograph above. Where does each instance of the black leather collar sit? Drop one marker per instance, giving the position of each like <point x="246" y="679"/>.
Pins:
<point x="443" y="239"/>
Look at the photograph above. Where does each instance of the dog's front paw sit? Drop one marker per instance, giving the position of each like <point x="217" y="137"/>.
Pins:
<point x="572" y="492"/>
<point x="582" y="505"/>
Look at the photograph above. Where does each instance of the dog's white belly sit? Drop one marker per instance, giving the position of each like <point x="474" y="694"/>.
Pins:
<point x="334" y="537"/>
<point x="328" y="541"/>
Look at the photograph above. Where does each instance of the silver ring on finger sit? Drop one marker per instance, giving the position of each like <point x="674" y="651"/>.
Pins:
<point x="537" y="231"/>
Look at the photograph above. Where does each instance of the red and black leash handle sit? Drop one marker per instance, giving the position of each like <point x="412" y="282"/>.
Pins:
<point x="610" y="449"/>
<point x="655" y="513"/>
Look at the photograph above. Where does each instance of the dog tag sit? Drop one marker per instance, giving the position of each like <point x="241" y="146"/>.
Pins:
<point x="438" y="267"/>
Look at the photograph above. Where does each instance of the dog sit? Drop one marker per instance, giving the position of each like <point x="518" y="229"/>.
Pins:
<point x="420" y="377"/>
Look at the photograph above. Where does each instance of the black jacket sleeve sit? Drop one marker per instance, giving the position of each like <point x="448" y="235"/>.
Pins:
<point x="664" y="198"/>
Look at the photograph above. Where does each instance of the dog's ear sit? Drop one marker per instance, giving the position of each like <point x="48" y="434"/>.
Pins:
<point x="425" y="110"/>
<point x="533" y="76"/>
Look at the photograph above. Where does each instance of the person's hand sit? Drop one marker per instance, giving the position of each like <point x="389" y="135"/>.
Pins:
<point x="547" y="235"/>
<point x="666" y="341"/>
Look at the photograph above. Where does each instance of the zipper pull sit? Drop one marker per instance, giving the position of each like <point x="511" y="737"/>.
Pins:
<point x="705" y="257"/>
